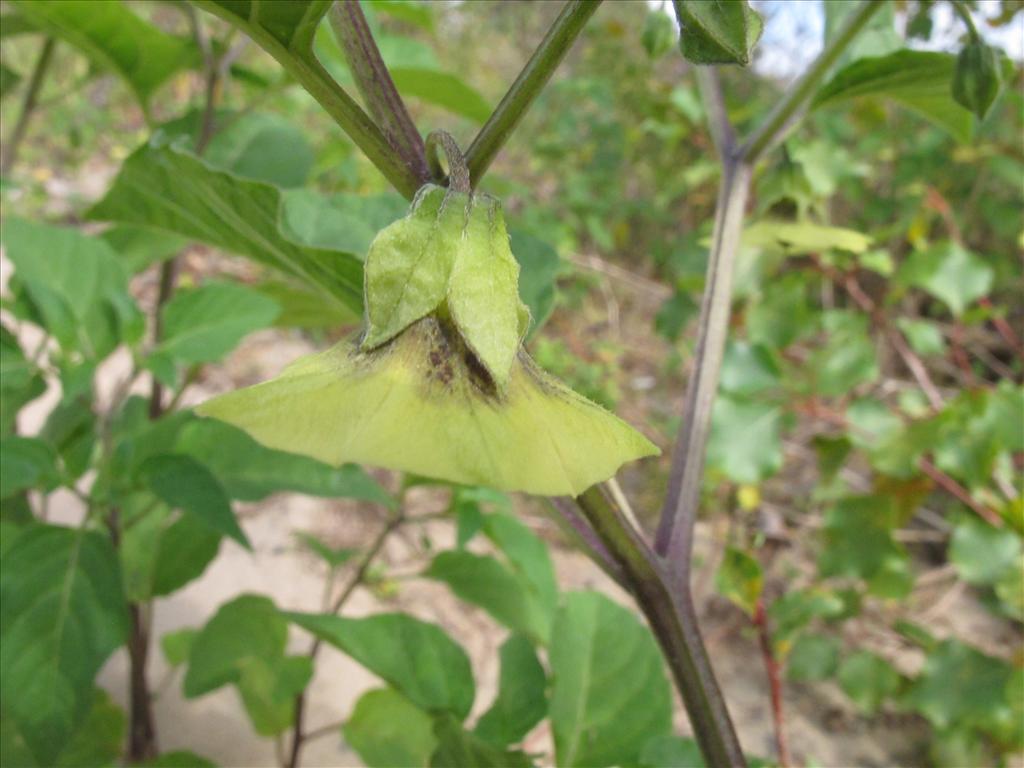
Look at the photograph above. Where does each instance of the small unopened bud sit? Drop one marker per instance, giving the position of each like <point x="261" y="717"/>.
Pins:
<point x="978" y="77"/>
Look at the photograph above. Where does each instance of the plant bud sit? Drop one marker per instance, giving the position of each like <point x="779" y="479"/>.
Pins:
<point x="978" y="77"/>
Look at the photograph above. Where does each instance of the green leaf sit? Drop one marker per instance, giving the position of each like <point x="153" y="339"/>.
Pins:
<point x="303" y="307"/>
<point x="444" y="90"/>
<point x="341" y="221"/>
<point x="868" y="680"/>
<point x="183" y="551"/>
<point x="178" y="645"/>
<point x="25" y="462"/>
<point x="201" y="325"/>
<point x="924" y="337"/>
<point x="918" y="80"/>
<point x="847" y="359"/>
<point x="413" y="12"/>
<point x="610" y="694"/>
<point x="268" y="689"/>
<point x="483" y="581"/>
<point x="178" y="759"/>
<point x="263" y="147"/>
<point x="183" y="483"/>
<point x="521" y="702"/>
<point x="528" y="556"/>
<point x="962" y="687"/>
<point x="747" y="369"/>
<point x="812" y="657"/>
<point x="745" y="442"/>
<point x="858" y="539"/>
<point x="416" y="658"/>
<point x="981" y="553"/>
<point x="20" y="380"/>
<point x="335" y="557"/>
<point x="740" y="579"/>
<point x="458" y="748"/>
<point x="671" y="752"/>
<point x="949" y="273"/>
<point x="386" y="730"/>
<point x="99" y="739"/>
<point x="169" y="189"/>
<point x="798" y="237"/>
<point x="113" y="37"/>
<point x="248" y="627"/>
<point x="62" y="613"/>
<point x="79" y="290"/>
<point x="250" y="472"/>
<point x="713" y="32"/>
<point x="9" y="80"/>
<point x="539" y="264"/>
<point x="140" y="247"/>
<point x="244" y="644"/>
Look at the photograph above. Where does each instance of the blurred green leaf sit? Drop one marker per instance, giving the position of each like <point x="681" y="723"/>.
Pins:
<point x="386" y="730"/>
<point x="918" y="80"/>
<point x="950" y="273"/>
<point x="528" y="557"/>
<point x="62" y="613"/>
<point x="140" y="247"/>
<point x="244" y="645"/>
<point x="20" y="380"/>
<point x="868" y="680"/>
<point x="335" y="557"/>
<point x="521" y="702"/>
<point x="9" y="80"/>
<point x="114" y="38"/>
<point x="745" y="442"/>
<point x="341" y="221"/>
<point x="457" y="748"/>
<point x="539" y="264"/>
<point x="812" y="657"/>
<point x="485" y="582"/>
<point x="169" y="189"/>
<point x="671" y="752"/>
<point x="717" y="33"/>
<point x="306" y="308"/>
<point x="418" y="659"/>
<point x="924" y="337"/>
<point x="183" y="483"/>
<point x="413" y="12"/>
<point x="747" y="369"/>
<point x="960" y="686"/>
<point x="25" y="462"/>
<point x="859" y="543"/>
<point x="79" y="290"/>
<point x="179" y="758"/>
<point x="740" y="579"/>
<point x="444" y="90"/>
<point x="804" y="237"/>
<point x="847" y="359"/>
<point x="177" y="645"/>
<point x="609" y="694"/>
<point x="249" y="471"/>
<point x="981" y="553"/>
<point x="201" y="325"/>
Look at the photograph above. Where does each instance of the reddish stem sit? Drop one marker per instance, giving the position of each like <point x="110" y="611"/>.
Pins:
<point x="954" y="488"/>
<point x="771" y="666"/>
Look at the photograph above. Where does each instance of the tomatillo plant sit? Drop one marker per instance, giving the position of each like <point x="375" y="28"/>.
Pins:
<point x="437" y="384"/>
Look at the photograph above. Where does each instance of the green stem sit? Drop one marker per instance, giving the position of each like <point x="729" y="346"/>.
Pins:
<point x="775" y="125"/>
<point x="669" y="609"/>
<point x="376" y="86"/>
<point x="28" y="105"/>
<point x="961" y="10"/>
<point x="528" y="85"/>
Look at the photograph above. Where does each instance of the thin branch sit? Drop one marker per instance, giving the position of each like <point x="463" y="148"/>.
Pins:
<point x="771" y="667"/>
<point x="358" y="576"/>
<point x="376" y="86"/>
<point x="528" y="85"/>
<point x="776" y="124"/>
<point x="679" y="514"/>
<point x="28" y="105"/>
